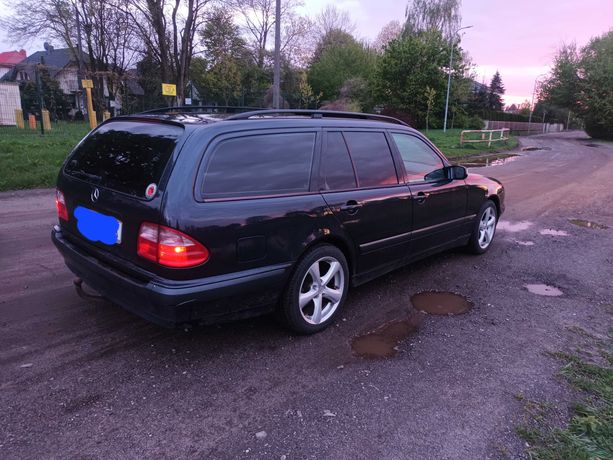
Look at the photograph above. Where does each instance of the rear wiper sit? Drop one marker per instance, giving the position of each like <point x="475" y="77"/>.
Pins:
<point x="92" y="177"/>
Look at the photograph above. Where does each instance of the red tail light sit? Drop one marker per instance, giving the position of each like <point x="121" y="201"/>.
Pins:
<point x="169" y="247"/>
<point x="60" y="204"/>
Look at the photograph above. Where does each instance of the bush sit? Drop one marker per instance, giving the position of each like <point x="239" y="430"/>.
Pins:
<point x="598" y="129"/>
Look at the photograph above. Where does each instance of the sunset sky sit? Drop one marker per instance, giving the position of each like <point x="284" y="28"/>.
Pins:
<point x="519" y="38"/>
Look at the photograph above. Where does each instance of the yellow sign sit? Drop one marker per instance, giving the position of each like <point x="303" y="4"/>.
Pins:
<point x="168" y="89"/>
<point x="87" y="83"/>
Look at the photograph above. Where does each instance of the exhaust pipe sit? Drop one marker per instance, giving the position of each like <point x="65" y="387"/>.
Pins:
<point x="78" y="284"/>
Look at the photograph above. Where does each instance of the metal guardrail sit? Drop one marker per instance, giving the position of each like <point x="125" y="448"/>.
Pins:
<point x="483" y="133"/>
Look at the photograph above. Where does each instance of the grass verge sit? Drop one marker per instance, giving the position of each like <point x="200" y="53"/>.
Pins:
<point x="589" y="433"/>
<point x="31" y="160"/>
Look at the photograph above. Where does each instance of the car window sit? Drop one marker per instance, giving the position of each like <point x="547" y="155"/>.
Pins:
<point x="418" y="158"/>
<point x="336" y="168"/>
<point x="125" y="156"/>
<point x="266" y="164"/>
<point x="372" y="158"/>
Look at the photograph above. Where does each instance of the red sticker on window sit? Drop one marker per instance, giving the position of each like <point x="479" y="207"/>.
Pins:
<point x="150" y="191"/>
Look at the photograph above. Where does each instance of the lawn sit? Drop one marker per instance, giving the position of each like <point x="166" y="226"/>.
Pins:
<point x="30" y="160"/>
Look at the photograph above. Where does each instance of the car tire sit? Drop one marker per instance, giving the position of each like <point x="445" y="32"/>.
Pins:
<point x="316" y="290"/>
<point x="484" y="229"/>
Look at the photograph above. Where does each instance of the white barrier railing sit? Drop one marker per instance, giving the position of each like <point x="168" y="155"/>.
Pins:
<point x="489" y="138"/>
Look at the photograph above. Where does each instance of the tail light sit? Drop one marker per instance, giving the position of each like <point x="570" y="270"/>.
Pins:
<point x="60" y="204"/>
<point x="169" y="247"/>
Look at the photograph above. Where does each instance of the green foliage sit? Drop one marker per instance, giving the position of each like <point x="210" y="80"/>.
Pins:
<point x="596" y="98"/>
<point x="54" y="98"/>
<point x="562" y="88"/>
<point x="409" y="65"/>
<point x="338" y="63"/>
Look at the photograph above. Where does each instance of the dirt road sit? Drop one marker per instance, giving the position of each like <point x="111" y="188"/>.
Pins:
<point x="86" y="379"/>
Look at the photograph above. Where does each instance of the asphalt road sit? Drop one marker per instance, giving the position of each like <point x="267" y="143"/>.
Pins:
<point x="84" y="379"/>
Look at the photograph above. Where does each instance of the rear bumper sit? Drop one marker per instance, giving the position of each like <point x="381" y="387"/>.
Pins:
<point x="171" y="303"/>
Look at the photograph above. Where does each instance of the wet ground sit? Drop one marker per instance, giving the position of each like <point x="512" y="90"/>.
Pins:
<point x="85" y="379"/>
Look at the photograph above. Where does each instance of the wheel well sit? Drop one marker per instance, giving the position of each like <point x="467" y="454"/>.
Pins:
<point x="340" y="244"/>
<point x="496" y="201"/>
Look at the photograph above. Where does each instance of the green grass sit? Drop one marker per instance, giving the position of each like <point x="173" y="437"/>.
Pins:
<point x="449" y="144"/>
<point x="30" y="160"/>
<point x="589" y="433"/>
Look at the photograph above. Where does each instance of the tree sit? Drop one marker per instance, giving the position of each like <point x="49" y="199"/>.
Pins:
<point x="331" y="18"/>
<point x="430" y="94"/>
<point x="596" y="97"/>
<point x="338" y="63"/>
<point x="389" y="32"/>
<point x="54" y="98"/>
<point x="432" y="15"/>
<point x="494" y="95"/>
<point x="562" y="87"/>
<point x="409" y="65"/>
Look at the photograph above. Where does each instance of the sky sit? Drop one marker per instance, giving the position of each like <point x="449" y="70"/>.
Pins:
<point x="519" y="38"/>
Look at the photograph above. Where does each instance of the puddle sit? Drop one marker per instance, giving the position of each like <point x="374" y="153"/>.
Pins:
<point x="383" y="341"/>
<point x="525" y="243"/>
<point x="513" y="227"/>
<point x="534" y="148"/>
<point x="553" y="232"/>
<point x="588" y="224"/>
<point x="441" y="303"/>
<point x="592" y="145"/>
<point x="495" y="160"/>
<point x="543" y="289"/>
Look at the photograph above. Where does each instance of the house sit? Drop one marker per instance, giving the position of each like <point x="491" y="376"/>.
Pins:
<point x="63" y="66"/>
<point x="9" y="59"/>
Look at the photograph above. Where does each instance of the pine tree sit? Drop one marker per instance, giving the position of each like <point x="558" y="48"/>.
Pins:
<point x="495" y="93"/>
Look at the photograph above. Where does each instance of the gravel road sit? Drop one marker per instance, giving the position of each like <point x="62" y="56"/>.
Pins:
<point x="84" y="379"/>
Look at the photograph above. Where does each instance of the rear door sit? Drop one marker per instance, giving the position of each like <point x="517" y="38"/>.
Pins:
<point x="358" y="180"/>
<point x="438" y="203"/>
<point x="114" y="181"/>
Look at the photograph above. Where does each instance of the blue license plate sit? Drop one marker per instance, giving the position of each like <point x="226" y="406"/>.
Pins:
<point x="98" y="227"/>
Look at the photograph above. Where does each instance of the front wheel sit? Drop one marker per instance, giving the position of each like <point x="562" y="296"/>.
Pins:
<point x="316" y="290"/>
<point x="485" y="228"/>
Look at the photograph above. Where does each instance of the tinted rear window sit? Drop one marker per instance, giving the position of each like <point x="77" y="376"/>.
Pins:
<point x="125" y="155"/>
<point x="268" y="164"/>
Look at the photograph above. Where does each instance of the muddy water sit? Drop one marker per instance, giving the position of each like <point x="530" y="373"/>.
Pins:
<point x="495" y="160"/>
<point x="534" y="148"/>
<point x="383" y="341"/>
<point x="588" y="224"/>
<point x="441" y="303"/>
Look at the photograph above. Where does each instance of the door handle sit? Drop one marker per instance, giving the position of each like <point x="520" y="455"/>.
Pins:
<point x="421" y="197"/>
<point x="351" y="207"/>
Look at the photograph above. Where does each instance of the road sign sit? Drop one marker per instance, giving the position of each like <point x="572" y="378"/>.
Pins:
<point x="168" y="89"/>
<point x="87" y="83"/>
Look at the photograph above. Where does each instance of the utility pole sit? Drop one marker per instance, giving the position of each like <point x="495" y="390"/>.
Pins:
<point x="276" y="86"/>
<point x="450" y="72"/>
<point x="79" y="60"/>
<point x="532" y="101"/>
<point x="39" y="90"/>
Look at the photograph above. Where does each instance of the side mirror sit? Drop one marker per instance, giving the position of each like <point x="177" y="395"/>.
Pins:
<point x="458" y="172"/>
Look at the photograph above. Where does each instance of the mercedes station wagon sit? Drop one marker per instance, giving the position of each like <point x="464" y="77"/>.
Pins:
<point x="193" y="218"/>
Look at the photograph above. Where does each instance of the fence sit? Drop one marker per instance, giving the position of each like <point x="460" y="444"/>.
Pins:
<point x="489" y="133"/>
<point x="524" y="127"/>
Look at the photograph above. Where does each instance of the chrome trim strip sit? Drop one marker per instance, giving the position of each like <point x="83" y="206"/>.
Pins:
<point x="449" y="222"/>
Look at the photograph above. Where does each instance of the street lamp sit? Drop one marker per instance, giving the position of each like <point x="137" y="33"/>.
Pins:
<point x="538" y="77"/>
<point x="450" y="71"/>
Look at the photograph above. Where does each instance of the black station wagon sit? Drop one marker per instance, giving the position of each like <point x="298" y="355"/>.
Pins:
<point x="186" y="218"/>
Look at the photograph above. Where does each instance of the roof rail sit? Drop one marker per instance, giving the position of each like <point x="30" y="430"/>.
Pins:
<point x="198" y="109"/>
<point x="315" y="114"/>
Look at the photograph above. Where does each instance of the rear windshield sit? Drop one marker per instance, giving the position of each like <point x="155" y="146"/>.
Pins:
<point x="125" y="156"/>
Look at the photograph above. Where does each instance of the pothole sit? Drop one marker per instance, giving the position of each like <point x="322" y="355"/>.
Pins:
<point x="513" y="227"/>
<point x="553" y="232"/>
<point x="534" y="148"/>
<point x="592" y="145"/>
<point x="383" y="342"/>
<point x="588" y="224"/>
<point x="495" y="160"/>
<point x="543" y="289"/>
<point x="441" y="303"/>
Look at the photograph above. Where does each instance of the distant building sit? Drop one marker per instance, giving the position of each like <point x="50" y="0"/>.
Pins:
<point x="9" y="59"/>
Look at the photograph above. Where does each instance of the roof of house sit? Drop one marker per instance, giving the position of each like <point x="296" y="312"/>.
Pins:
<point x="12" y="57"/>
<point x="58" y="58"/>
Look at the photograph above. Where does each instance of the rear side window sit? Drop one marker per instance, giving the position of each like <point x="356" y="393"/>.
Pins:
<point x="336" y="168"/>
<point x="125" y="155"/>
<point x="419" y="159"/>
<point x="372" y="158"/>
<point x="269" y="164"/>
